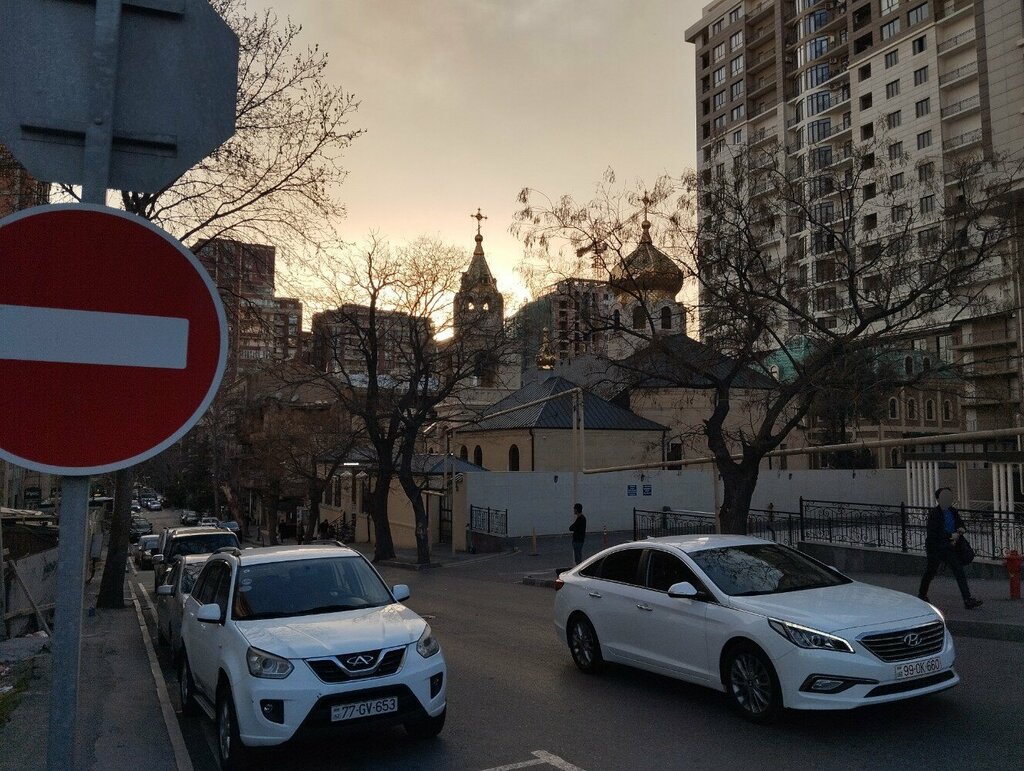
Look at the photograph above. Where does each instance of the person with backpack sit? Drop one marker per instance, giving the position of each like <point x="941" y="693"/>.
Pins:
<point x="945" y="529"/>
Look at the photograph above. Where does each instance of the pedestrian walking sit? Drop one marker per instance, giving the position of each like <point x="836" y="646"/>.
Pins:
<point x="578" y="528"/>
<point x="945" y="529"/>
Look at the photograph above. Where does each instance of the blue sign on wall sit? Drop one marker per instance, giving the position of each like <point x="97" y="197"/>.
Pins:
<point x="631" y="491"/>
<point x="648" y="490"/>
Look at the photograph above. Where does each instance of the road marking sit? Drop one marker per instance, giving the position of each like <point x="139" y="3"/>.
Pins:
<point x="541" y="758"/>
<point x="181" y="757"/>
<point x="64" y="336"/>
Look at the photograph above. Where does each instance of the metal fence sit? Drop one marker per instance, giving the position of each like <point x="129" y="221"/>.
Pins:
<point x="489" y="521"/>
<point x="894" y="528"/>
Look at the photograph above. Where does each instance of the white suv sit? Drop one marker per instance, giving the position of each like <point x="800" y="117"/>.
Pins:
<point x="297" y="641"/>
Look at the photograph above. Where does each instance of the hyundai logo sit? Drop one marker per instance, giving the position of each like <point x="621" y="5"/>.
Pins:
<point x="364" y="660"/>
<point x="912" y="640"/>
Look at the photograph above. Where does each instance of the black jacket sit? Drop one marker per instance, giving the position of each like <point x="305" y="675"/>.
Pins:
<point x="937" y="538"/>
<point x="579" y="529"/>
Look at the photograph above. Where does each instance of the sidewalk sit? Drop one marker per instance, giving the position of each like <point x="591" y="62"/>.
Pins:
<point x="120" y="723"/>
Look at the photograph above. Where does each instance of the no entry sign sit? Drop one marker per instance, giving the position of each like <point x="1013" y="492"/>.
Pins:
<point x="113" y="339"/>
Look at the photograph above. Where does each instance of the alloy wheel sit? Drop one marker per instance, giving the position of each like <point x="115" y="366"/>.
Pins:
<point x="583" y="644"/>
<point x="224" y="729"/>
<point x="751" y="683"/>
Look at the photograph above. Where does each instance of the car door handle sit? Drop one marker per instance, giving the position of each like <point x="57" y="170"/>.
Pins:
<point x="595" y="595"/>
<point x="647" y="608"/>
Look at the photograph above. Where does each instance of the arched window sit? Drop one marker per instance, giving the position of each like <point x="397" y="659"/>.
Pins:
<point x="908" y="365"/>
<point x="666" y="318"/>
<point x="639" y="317"/>
<point x="894" y="409"/>
<point x="947" y="411"/>
<point x="911" y="409"/>
<point x="929" y="410"/>
<point x="775" y="371"/>
<point x="617" y="319"/>
<point x="513" y="458"/>
<point x="478" y="456"/>
<point x="464" y="452"/>
<point x="894" y="458"/>
<point x="927" y="363"/>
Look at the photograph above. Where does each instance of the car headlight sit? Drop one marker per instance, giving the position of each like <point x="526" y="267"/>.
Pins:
<point x="805" y="637"/>
<point x="427" y="645"/>
<point x="263" y="664"/>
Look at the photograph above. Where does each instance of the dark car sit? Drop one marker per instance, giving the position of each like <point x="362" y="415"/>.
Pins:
<point x="143" y="554"/>
<point x="139" y="527"/>
<point x="189" y="518"/>
<point x="179" y="541"/>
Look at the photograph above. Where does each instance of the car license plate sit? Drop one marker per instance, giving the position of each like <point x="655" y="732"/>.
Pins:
<point x="918" y="668"/>
<point x="360" y="709"/>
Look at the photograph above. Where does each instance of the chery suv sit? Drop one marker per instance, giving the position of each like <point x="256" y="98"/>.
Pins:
<point x="305" y="641"/>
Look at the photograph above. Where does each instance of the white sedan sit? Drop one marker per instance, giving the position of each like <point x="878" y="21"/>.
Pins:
<point x="764" y="623"/>
<point x="171" y="596"/>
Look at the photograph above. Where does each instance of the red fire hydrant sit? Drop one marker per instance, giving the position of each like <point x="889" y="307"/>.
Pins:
<point x="1013" y="568"/>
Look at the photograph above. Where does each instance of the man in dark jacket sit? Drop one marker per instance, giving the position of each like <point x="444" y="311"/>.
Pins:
<point x="578" y="528"/>
<point x="945" y="527"/>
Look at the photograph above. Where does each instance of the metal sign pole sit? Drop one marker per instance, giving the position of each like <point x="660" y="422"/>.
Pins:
<point x="74" y="510"/>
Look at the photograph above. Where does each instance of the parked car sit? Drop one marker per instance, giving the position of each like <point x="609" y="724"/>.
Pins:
<point x="136" y="508"/>
<point x="209" y="522"/>
<point x="143" y="554"/>
<point x="170" y="598"/>
<point x="305" y="640"/>
<point x="231" y="525"/>
<point x="767" y="624"/>
<point x="189" y="518"/>
<point x="154" y="504"/>
<point x="139" y="527"/>
<point x="188" y="540"/>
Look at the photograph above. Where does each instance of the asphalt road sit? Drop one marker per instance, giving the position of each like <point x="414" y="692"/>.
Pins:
<point x="516" y="700"/>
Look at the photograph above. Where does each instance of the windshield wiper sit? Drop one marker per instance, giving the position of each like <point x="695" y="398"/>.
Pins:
<point x="332" y="609"/>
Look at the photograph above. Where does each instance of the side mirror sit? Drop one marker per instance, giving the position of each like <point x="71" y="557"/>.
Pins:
<point x="208" y="614"/>
<point x="401" y="592"/>
<point x="165" y="590"/>
<point x="158" y="559"/>
<point x="684" y="590"/>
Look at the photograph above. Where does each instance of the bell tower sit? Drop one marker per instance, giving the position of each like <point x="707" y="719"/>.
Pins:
<point x="479" y="312"/>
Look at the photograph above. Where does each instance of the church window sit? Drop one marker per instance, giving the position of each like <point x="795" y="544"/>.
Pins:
<point x="513" y="458"/>
<point x="666" y="318"/>
<point x="638" y="317"/>
<point x="617" y="319"/>
<point x="464" y="452"/>
<point x="478" y="456"/>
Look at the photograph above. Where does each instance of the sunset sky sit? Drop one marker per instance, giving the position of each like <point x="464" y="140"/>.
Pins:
<point x="465" y="102"/>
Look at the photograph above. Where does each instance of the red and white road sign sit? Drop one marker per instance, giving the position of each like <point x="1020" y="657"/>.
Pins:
<point x="113" y="339"/>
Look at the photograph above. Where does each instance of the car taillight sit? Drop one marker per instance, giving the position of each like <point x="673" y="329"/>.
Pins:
<point x="559" y="583"/>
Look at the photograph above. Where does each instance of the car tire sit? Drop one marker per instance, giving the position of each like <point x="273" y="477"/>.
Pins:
<point x="752" y="684"/>
<point x="584" y="647"/>
<point x="186" y="686"/>
<point x="426" y="728"/>
<point x="231" y="753"/>
<point x="161" y="638"/>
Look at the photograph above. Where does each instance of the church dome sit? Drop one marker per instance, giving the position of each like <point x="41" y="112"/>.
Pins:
<point x="647" y="269"/>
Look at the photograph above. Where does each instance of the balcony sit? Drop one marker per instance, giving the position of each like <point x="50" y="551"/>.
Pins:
<point x="763" y="135"/>
<point x="758" y="36"/>
<point x="755" y="13"/>
<point x="962" y="141"/>
<point x="955" y="43"/>
<point x="951" y="9"/>
<point x="967" y="105"/>
<point x="760" y="86"/>
<point x="986" y="338"/>
<point x="960" y="73"/>
<point x="761" y="60"/>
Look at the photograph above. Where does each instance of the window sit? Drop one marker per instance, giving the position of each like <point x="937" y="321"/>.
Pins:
<point x="908" y="365"/>
<point x="736" y="89"/>
<point x="899" y="212"/>
<point x="893" y="119"/>
<point x="735" y="40"/>
<point x="924" y="139"/>
<point x="464" y="452"/>
<point x="718" y="78"/>
<point x="666" y="318"/>
<point x="891" y="29"/>
<point x="886" y="7"/>
<point x="737" y="137"/>
<point x="718" y="123"/>
<point x="921" y="76"/>
<point x="717" y="26"/>
<point x="622" y="566"/>
<point x="919" y="45"/>
<point x="929" y="410"/>
<point x="513" y="458"/>
<point x="927" y="238"/>
<point x="922" y="107"/>
<point x="818" y="102"/>
<point x="863" y="73"/>
<point x="896" y="181"/>
<point x="639" y="317"/>
<point x="718" y="100"/>
<point x="753" y="569"/>
<point x="894" y="458"/>
<point x="892" y="89"/>
<point x="894" y="409"/>
<point x="916" y="15"/>
<point x="947" y="411"/>
<point x="892" y="58"/>
<point x="736" y="113"/>
<point x="718" y="52"/>
<point x="819" y="130"/>
<point x="735" y="13"/>
<point x="736" y="66"/>
<point x="870" y="221"/>
<point x="927" y="204"/>
<point x="865" y="101"/>
<point x="925" y="172"/>
<point x="895" y="151"/>
<point x="665" y="570"/>
<point x="867" y="131"/>
<point x="911" y="409"/>
<point x="478" y="456"/>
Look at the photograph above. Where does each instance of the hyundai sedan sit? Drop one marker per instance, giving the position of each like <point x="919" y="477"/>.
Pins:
<point x="764" y="623"/>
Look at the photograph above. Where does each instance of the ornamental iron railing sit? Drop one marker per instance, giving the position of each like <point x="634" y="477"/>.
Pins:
<point x="489" y="521"/>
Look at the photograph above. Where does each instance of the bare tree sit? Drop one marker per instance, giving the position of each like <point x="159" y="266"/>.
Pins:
<point x="853" y="252"/>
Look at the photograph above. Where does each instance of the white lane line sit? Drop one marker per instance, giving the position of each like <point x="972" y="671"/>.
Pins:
<point x="512" y="766"/>
<point x="64" y="336"/>
<point x="182" y="759"/>
<point x="554" y="760"/>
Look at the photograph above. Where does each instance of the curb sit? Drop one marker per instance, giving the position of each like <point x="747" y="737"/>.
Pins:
<point x="408" y="565"/>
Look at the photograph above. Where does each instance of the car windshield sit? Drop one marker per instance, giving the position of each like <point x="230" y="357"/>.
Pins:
<point x="202" y="544"/>
<point x="307" y="587"/>
<point x="188" y="580"/>
<point x="752" y="569"/>
<point x="148" y="542"/>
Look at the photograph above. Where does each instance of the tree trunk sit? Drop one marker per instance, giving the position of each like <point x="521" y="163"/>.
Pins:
<point x="415" y="496"/>
<point x="111" y="594"/>
<point x="270" y="501"/>
<point x="738" y="484"/>
<point x="384" y="546"/>
<point x="316" y="491"/>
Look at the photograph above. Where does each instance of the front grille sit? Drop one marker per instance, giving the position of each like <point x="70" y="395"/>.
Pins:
<point x="331" y="671"/>
<point x="907" y="644"/>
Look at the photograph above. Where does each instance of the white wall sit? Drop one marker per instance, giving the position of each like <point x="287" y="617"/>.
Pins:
<point x="542" y="500"/>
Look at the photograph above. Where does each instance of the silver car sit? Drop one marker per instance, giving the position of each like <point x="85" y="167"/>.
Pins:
<point x="143" y="551"/>
<point x="170" y="598"/>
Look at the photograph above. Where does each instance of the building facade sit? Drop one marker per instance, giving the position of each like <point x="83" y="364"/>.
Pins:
<point x="18" y="189"/>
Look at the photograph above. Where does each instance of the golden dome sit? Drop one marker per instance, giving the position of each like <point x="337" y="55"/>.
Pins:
<point x="647" y="269"/>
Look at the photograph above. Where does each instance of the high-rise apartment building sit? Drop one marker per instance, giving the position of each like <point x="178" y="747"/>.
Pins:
<point x="928" y="85"/>
<point x="18" y="189"/>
